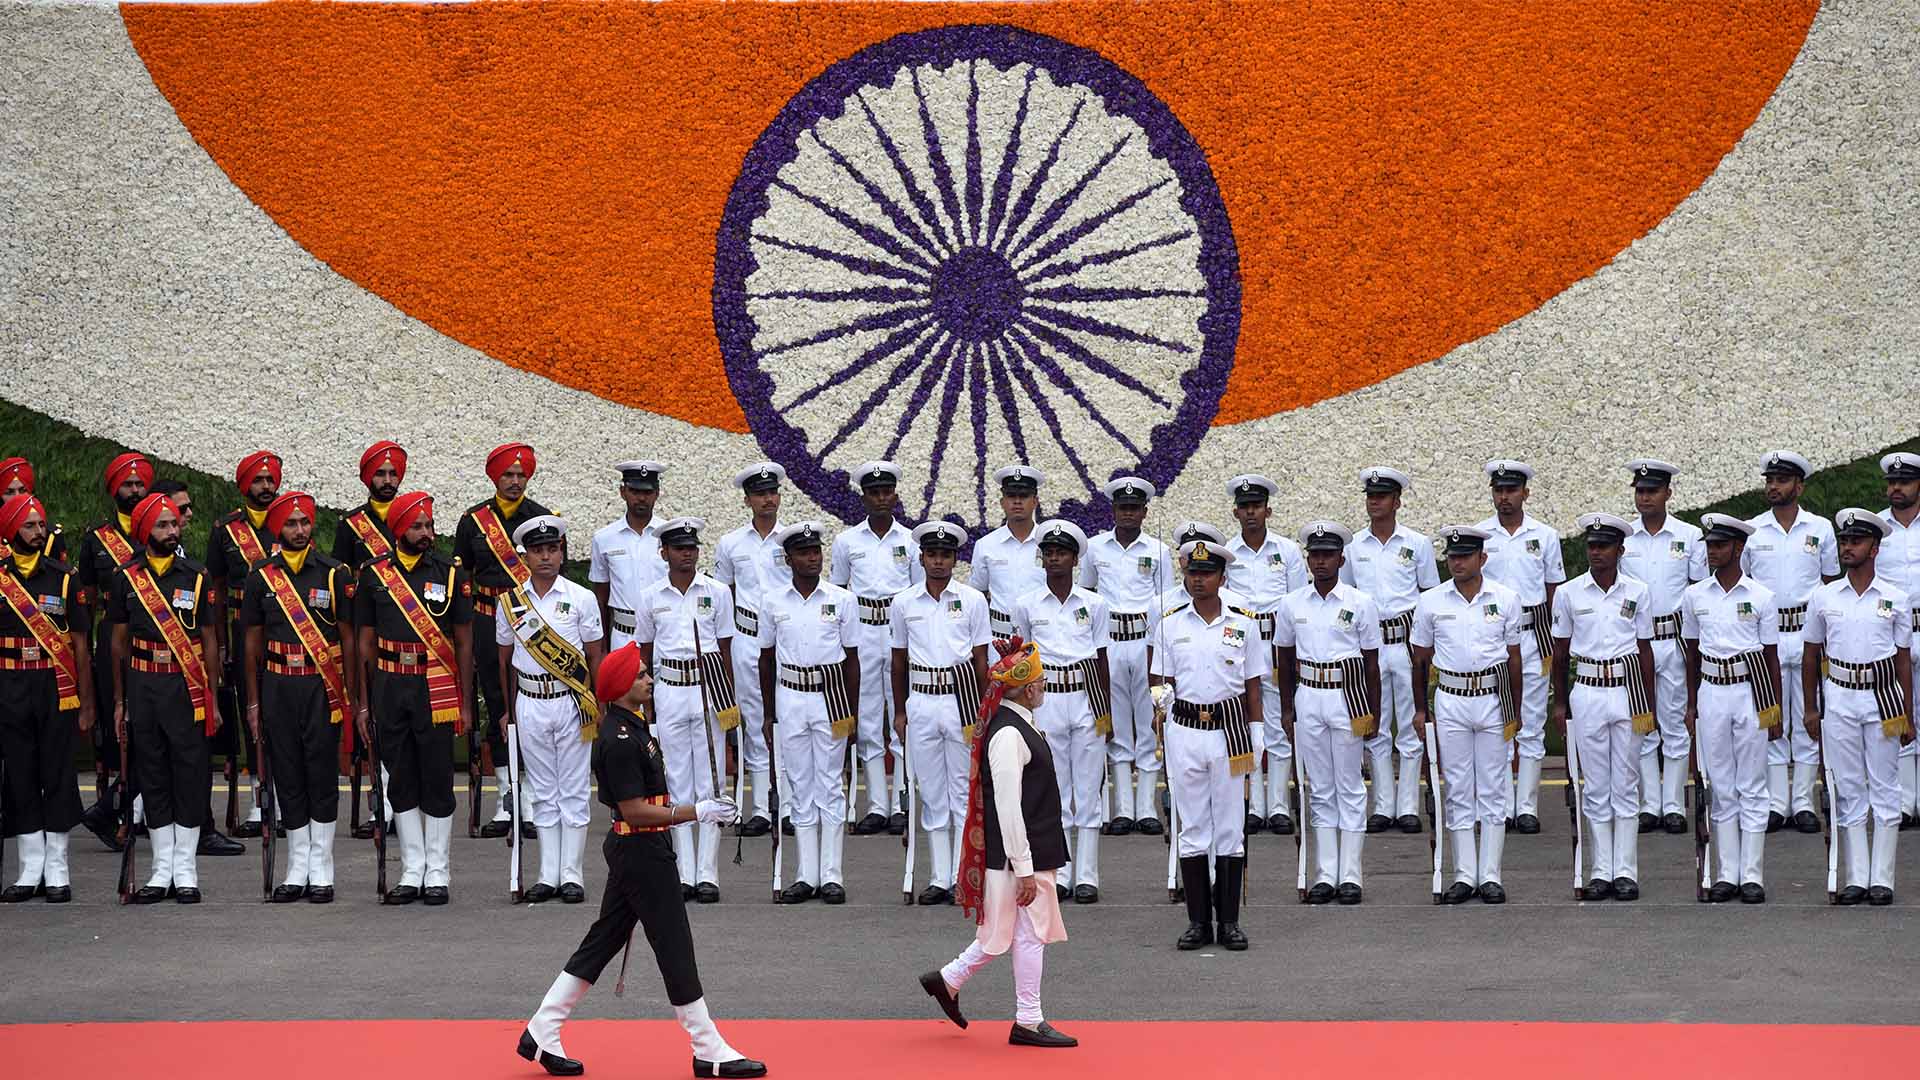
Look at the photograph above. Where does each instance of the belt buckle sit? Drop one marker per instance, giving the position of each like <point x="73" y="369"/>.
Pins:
<point x="409" y="659"/>
<point x="30" y="652"/>
<point x="162" y="656"/>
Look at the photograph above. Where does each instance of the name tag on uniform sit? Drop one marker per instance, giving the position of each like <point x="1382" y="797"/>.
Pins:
<point x="183" y="599"/>
<point x="1586" y="610"/>
<point x="618" y="553"/>
<point x="1763" y="547"/>
<point x="1043" y="622"/>
<point x="319" y="598"/>
<point x="1443" y="617"/>
<point x="53" y="605"/>
<point x="434" y="592"/>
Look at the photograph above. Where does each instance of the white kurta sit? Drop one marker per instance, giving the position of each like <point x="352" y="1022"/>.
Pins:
<point x="1007" y="756"/>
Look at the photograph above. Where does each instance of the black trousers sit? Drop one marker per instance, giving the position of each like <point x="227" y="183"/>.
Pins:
<point x="303" y="746"/>
<point x="42" y="792"/>
<point x="169" y="749"/>
<point x="106" y="743"/>
<point x="486" y="675"/>
<point x="643" y="887"/>
<point x="417" y="752"/>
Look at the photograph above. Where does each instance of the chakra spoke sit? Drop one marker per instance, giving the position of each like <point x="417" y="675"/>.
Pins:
<point x="929" y="379"/>
<point x="1071" y="266"/>
<point x="937" y="160"/>
<point x="1003" y="393"/>
<point x="1057" y="375"/>
<point x="858" y="265"/>
<point x="973" y="153"/>
<point x="1059" y="206"/>
<point x="1071" y="236"/>
<point x="976" y="395"/>
<point x="1024" y="204"/>
<point x="1085" y="293"/>
<point x="886" y="347"/>
<point x="1039" y="400"/>
<point x="872" y="234"/>
<point x="949" y="398"/>
<point x="900" y="371"/>
<point x="871" y="293"/>
<point x="888" y="206"/>
<point x="1103" y="328"/>
<point x="1079" y="353"/>
<point x="1003" y="177"/>
<point x="921" y="203"/>
<point x="879" y="320"/>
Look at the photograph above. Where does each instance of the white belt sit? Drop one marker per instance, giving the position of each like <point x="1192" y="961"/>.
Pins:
<point x="623" y="619"/>
<point x="746" y="620"/>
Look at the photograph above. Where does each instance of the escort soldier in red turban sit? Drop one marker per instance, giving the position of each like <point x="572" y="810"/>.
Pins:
<point x="237" y="541"/>
<point x="105" y="545"/>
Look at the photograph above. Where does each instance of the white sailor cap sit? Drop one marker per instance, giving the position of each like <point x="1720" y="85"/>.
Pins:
<point x="1854" y="522"/>
<point x="682" y="532"/>
<point x="1019" y="479"/>
<point x="641" y="475"/>
<point x="1382" y="480"/>
<point x="872" y="474"/>
<point x="1251" y="488"/>
<point x="1325" y="536"/>
<point x="939" y="536"/>
<point x="1604" y="528"/>
<point x="1724" y="527"/>
<point x="1189" y="531"/>
<point x="1463" y="539"/>
<point x="1901" y="465"/>
<point x="1651" y="473"/>
<point x="1129" y="491"/>
<point x="760" y="478"/>
<point x="1785" y="463"/>
<point x="1059" y="532"/>
<point x="544" y="529"/>
<point x="800" y="534"/>
<point x="1203" y="556"/>
<point x="1506" y="472"/>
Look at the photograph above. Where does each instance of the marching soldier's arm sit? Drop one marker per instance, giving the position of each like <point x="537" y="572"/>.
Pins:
<point x="980" y="666"/>
<point x="250" y="673"/>
<point x="1421" y="657"/>
<point x="363" y="644"/>
<point x="509" y="684"/>
<point x="641" y="814"/>
<point x="767" y="692"/>
<point x="1371" y="660"/>
<point x="898" y="677"/>
<point x="463" y="663"/>
<point x="1772" y="653"/>
<point x="1253" y="697"/>
<point x="1562" y="649"/>
<point x="601" y="592"/>
<point x="1284" y="672"/>
<point x="209" y="644"/>
<point x="1693" y="680"/>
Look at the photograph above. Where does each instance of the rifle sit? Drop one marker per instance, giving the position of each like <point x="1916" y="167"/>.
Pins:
<point x="513" y="811"/>
<point x="475" y="747"/>
<point x="235" y="718"/>
<point x="1433" y="801"/>
<point x="126" y="822"/>
<point x="911" y="840"/>
<point x="1833" y="849"/>
<point x="1702" y="827"/>
<point x="267" y="811"/>
<point x="356" y="761"/>
<point x="773" y="795"/>
<point x="1299" y="822"/>
<point x="376" y="800"/>
<point x="1573" y="808"/>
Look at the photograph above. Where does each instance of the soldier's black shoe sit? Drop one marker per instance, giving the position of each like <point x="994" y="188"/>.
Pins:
<point x="186" y="895"/>
<point x="1280" y="825"/>
<point x="1232" y="938"/>
<point x="1850" y="896"/>
<point x="1752" y="892"/>
<point x="1625" y="888"/>
<point x="1878" y="896"/>
<point x="553" y="1063"/>
<point x="1197" y="935"/>
<point x="871" y="824"/>
<point x="1409" y="823"/>
<point x="104" y="824"/>
<point x="1148" y="826"/>
<point x="686" y="892"/>
<point x="319" y="894"/>
<point x="1086" y="894"/>
<point x="707" y="893"/>
<point x="1526" y="825"/>
<point x="1648" y="822"/>
<point x="1907" y="822"/>
<point x="148" y="894"/>
<point x="1597" y="889"/>
<point x="1348" y="892"/>
<point x="1722" y="892"/>
<point x="1674" y="823"/>
<point x="215" y="842"/>
<point x="736" y="1067"/>
<point x="403" y="894"/>
<point x="833" y="893"/>
<point x="1044" y="1035"/>
<point x="540" y="893"/>
<point x="756" y="826"/>
<point x="1378" y="823"/>
<point x="1254" y="824"/>
<point x="246" y="830"/>
<point x="897" y="824"/>
<point x="363" y="831"/>
<point x="786" y="826"/>
<point x="1321" y="893"/>
<point x="1457" y="893"/>
<point x="14" y="894"/>
<point x="287" y="894"/>
<point x="1775" y="821"/>
<point x="279" y="831"/>
<point x="1492" y="892"/>
<point x="797" y="893"/>
<point x="1509" y="824"/>
<point x="62" y="894"/>
<point x="528" y="832"/>
<point x="1120" y="826"/>
<point x="936" y="987"/>
<point x="1805" y="822"/>
<point x="572" y="892"/>
<point x="494" y="830"/>
<point x="434" y="895"/>
<point x="1062" y="893"/>
<point x="934" y="896"/>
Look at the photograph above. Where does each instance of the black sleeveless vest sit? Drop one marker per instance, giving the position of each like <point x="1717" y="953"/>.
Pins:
<point x="1039" y="798"/>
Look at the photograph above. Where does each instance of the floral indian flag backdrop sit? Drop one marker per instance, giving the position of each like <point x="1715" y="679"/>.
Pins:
<point x="1179" y="240"/>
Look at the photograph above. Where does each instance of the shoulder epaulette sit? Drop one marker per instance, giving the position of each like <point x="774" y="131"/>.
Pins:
<point x="1176" y="609"/>
<point x="231" y="515"/>
<point x="1242" y="611"/>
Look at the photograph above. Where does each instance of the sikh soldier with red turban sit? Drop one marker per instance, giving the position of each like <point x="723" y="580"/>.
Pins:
<point x="483" y="542"/>
<point x="105" y="545"/>
<point x="413" y="615"/>
<point x="362" y="535"/>
<point x="45" y="620"/>
<point x="162" y="606"/>
<point x="16" y="478"/>
<point x="236" y="542"/>
<point x="296" y="608"/>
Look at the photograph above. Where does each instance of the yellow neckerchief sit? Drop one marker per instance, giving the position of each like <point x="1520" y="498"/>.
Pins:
<point x="27" y="563"/>
<point x="258" y="517"/>
<point x="161" y="564"/>
<point x="407" y="562"/>
<point x="296" y="560"/>
<point x="507" y="509"/>
<point x="126" y="524"/>
<point x="379" y="508"/>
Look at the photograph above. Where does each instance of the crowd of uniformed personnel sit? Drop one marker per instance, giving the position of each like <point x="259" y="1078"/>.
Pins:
<point x="1238" y="670"/>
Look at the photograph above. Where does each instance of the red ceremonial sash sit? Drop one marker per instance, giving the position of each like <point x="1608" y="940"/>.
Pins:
<point x="175" y="635"/>
<point x="369" y="533"/>
<point x="325" y="655"/>
<point x="501" y="545"/>
<point x="243" y="537"/>
<point x="59" y="647"/>
<point x="116" y="544"/>
<point x="443" y="688"/>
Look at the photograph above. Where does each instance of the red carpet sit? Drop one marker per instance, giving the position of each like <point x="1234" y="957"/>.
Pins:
<point x="890" y="1049"/>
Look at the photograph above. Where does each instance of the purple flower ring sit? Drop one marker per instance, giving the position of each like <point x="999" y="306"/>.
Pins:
<point x="970" y="246"/>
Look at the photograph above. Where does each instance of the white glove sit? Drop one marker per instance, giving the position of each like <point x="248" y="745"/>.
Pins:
<point x="716" y="811"/>
<point x="1162" y="695"/>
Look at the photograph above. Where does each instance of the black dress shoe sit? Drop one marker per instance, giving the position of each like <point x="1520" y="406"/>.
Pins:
<point x="103" y="823"/>
<point x="1280" y="825"/>
<point x="934" y="896"/>
<point x="1148" y="826"/>
<point x="1348" y="892"/>
<point x="1062" y="893"/>
<point x="1409" y="823"/>
<point x="319" y="894"/>
<point x="63" y="894"/>
<point x="871" y="824"/>
<point x="1321" y="893"/>
<point x="1196" y="935"/>
<point x="187" y="895"/>
<point x="897" y="824"/>
<point x="797" y="893"/>
<point x="1752" y="892"/>
<point x="539" y="894"/>
<point x="1044" y="1035"/>
<point x="707" y="893"/>
<point x="149" y="894"/>
<point x="736" y="1067"/>
<point x="1492" y="892"/>
<point x="434" y="895"/>
<point x="1878" y="896"/>
<point x="686" y="892"/>
<point x="1850" y="896"/>
<point x="1597" y="889"/>
<point x="363" y="831"/>
<point x="1457" y="893"/>
<point x="246" y="830"/>
<point x="215" y="842"/>
<point x="494" y="830"/>
<point x="1254" y="824"/>
<point x="15" y="894"/>
<point x="1805" y="822"/>
<point x="279" y="831"/>
<point x="287" y="894"/>
<point x="528" y="832"/>
<point x="1508" y="825"/>
<point x="1086" y="894"/>
<point x="553" y="1063"/>
<point x="1120" y="826"/>
<point x="1625" y="888"/>
<point x="833" y="893"/>
<point x="1526" y="825"/>
<point x="1648" y="822"/>
<point x="935" y="985"/>
<point x="1674" y="823"/>
<point x="1378" y="823"/>
<point x="1775" y="821"/>
<point x="755" y="826"/>
<point x="1232" y="938"/>
<point x="572" y="892"/>
<point x="403" y="894"/>
<point x="1722" y="892"/>
<point x="1907" y="821"/>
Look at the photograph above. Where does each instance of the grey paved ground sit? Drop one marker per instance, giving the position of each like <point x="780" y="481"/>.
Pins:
<point x="1541" y="957"/>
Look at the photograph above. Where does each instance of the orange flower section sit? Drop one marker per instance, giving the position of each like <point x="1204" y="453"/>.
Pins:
<point x="544" y="182"/>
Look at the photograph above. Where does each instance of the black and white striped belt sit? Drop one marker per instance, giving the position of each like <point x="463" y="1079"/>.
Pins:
<point x="1469" y="683"/>
<point x="542" y="687"/>
<point x="1127" y="625"/>
<point x="1793" y="619"/>
<point x="1396" y="629"/>
<point x="1606" y="674"/>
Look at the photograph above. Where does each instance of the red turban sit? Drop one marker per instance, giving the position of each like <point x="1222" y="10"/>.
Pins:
<point x="254" y="464"/>
<point x="14" y="515"/>
<point x="407" y="507"/>
<point x="283" y="507"/>
<point x="147" y="512"/>
<point x="617" y="672"/>
<point x="384" y="450"/>
<point x="128" y="464"/>
<point x="506" y="454"/>
<point x="16" y="466"/>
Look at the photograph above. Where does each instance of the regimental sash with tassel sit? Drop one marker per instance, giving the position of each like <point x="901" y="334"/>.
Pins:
<point x="147" y="591"/>
<point x="369" y="533"/>
<point x="240" y="531"/>
<point x="557" y="656"/>
<point x="1639" y="701"/>
<point x="118" y="548"/>
<point x="1353" y="692"/>
<point x="324" y="654"/>
<point x="842" y="717"/>
<point x="716" y="677"/>
<point x="1099" y="699"/>
<point x="1542" y="628"/>
<point x="443" y="686"/>
<point x="966" y="694"/>
<point x="495" y="535"/>
<point x="1509" y="704"/>
<point x="1891" y="697"/>
<point x="58" y="646"/>
<point x="1766" y="706"/>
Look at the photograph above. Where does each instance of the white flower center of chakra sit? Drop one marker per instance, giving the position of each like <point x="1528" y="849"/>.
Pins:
<point x="973" y="264"/>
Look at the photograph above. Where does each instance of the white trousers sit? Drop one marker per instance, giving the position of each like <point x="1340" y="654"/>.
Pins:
<point x="1330" y="753"/>
<point x="1029" y="960"/>
<point x="1668" y="744"/>
<point x="1733" y="756"/>
<point x="1796" y="747"/>
<point x="1209" y="799"/>
<point x="555" y="763"/>
<point x="812" y="761"/>
<point x="1865" y="763"/>
<point x="1396" y="732"/>
<point x="1079" y="758"/>
<point x="686" y="738"/>
<point x="875" y="734"/>
<point x="941" y="759"/>
<point x="1532" y="740"/>
<point x="1473" y="759"/>
<point x="753" y="714"/>
<point x="1609" y="754"/>
<point x="1133" y="742"/>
